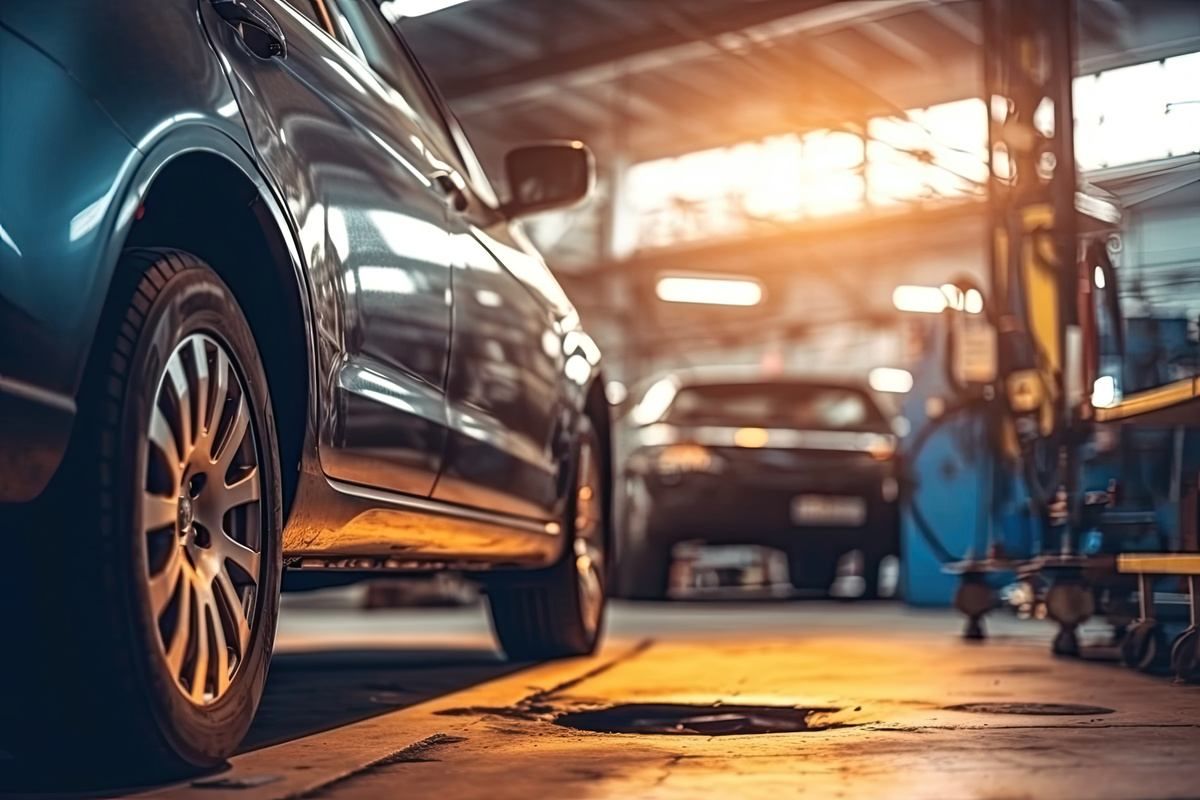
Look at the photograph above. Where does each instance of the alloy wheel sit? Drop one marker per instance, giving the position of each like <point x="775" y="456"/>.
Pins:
<point x="589" y="539"/>
<point x="201" y="513"/>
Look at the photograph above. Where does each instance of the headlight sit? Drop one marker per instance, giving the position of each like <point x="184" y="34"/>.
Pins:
<point x="680" y="458"/>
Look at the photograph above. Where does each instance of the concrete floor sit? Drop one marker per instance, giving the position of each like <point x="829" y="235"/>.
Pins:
<point x="417" y="704"/>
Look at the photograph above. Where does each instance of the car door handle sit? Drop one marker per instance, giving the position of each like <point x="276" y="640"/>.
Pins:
<point x="255" y="25"/>
<point x="456" y="198"/>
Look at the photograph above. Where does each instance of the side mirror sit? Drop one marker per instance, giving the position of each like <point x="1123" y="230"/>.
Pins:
<point x="547" y="176"/>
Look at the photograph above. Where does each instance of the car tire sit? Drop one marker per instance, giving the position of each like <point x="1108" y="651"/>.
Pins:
<point x="872" y="562"/>
<point x="645" y="571"/>
<point x="559" y="611"/>
<point x="812" y="569"/>
<point x="130" y="657"/>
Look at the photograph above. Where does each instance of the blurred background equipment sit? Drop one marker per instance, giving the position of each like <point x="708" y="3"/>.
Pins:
<point x="885" y="193"/>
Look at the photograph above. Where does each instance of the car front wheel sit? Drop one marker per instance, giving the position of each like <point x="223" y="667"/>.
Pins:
<point x="151" y="583"/>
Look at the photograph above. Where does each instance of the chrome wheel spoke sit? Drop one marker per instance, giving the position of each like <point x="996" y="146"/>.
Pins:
<point x="158" y="512"/>
<point x="177" y="646"/>
<point x="178" y="378"/>
<point x="162" y="585"/>
<point x="163" y="438"/>
<point x="241" y="492"/>
<point x="203" y="406"/>
<point x="199" y="677"/>
<point x="237" y="611"/>
<point x="220" y="391"/>
<point x="203" y="591"/>
<point x="220" y="655"/>
<point x="237" y="434"/>
<point x="237" y="552"/>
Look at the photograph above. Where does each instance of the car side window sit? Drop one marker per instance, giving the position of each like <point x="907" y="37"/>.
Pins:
<point x="367" y="34"/>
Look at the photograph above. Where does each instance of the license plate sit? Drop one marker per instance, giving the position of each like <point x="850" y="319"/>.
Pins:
<point x="824" y="509"/>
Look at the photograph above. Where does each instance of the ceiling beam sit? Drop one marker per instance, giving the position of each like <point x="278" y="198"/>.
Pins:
<point x="952" y="16"/>
<point x="897" y="44"/>
<point x="504" y="41"/>
<point x="606" y="61"/>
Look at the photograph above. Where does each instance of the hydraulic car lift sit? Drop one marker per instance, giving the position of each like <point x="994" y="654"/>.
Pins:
<point x="1047" y="237"/>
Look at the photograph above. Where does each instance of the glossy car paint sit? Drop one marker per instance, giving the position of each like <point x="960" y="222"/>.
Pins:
<point x="421" y="443"/>
<point x="372" y="226"/>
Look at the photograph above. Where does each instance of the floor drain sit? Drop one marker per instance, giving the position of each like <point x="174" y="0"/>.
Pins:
<point x="1044" y="709"/>
<point x="697" y="720"/>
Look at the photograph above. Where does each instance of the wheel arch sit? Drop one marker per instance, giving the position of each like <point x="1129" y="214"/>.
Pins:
<point x="213" y="204"/>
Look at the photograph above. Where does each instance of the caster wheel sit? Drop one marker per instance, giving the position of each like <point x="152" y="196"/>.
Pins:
<point x="1185" y="660"/>
<point x="1070" y="604"/>
<point x="974" y="599"/>
<point x="1066" y="643"/>
<point x="1144" y="648"/>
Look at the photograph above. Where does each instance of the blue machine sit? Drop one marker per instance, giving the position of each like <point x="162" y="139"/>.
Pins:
<point x="961" y="502"/>
<point x="968" y="505"/>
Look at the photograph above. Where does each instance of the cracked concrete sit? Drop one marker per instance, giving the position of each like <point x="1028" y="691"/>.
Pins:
<point x="891" y="673"/>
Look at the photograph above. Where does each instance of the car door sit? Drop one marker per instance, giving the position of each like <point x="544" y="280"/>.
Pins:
<point x="507" y="389"/>
<point x="359" y="169"/>
<point x="507" y="413"/>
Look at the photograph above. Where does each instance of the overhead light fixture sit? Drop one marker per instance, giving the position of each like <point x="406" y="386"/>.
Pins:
<point x="936" y="299"/>
<point x="890" y="379"/>
<point x="970" y="301"/>
<point x="396" y="10"/>
<point x="710" y="291"/>
<point x="919" y="299"/>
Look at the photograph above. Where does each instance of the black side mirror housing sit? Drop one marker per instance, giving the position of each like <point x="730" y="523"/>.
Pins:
<point x="548" y="175"/>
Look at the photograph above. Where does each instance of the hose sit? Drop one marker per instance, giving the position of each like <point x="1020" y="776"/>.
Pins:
<point x="909" y="483"/>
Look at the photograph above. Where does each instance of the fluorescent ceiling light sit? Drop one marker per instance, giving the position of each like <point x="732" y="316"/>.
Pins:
<point x="936" y="299"/>
<point x="395" y="10"/>
<point x="890" y="379"/>
<point x="919" y="299"/>
<point x="710" y="291"/>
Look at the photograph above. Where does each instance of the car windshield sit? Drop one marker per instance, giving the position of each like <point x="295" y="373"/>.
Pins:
<point x="777" y="405"/>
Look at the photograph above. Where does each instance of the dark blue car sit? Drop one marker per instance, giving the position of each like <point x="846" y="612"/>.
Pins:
<point x="261" y="312"/>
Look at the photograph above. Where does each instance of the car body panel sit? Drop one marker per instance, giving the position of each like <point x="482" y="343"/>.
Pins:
<point x="506" y="406"/>
<point x="116" y="108"/>
<point x="57" y="254"/>
<point x="372" y="228"/>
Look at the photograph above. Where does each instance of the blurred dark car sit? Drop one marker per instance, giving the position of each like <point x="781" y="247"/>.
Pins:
<point x="803" y="466"/>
